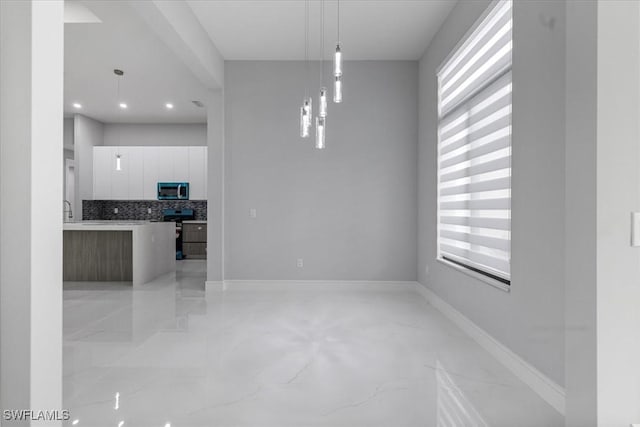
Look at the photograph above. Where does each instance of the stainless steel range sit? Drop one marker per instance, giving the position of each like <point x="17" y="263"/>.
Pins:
<point x="177" y="216"/>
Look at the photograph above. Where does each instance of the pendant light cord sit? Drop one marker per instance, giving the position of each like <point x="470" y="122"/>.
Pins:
<point x="306" y="47"/>
<point x="119" y="109"/>
<point x="321" y="43"/>
<point x="338" y="21"/>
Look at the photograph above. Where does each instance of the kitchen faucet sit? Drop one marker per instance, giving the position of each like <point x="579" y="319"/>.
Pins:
<point x="66" y="202"/>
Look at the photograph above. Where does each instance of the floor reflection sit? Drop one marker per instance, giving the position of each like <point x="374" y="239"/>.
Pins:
<point x="169" y="353"/>
<point x="454" y="408"/>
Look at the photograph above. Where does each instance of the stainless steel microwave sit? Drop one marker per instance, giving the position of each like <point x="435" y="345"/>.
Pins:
<point x="173" y="191"/>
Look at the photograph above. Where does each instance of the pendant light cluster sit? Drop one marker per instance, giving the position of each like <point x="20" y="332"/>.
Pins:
<point x="306" y="111"/>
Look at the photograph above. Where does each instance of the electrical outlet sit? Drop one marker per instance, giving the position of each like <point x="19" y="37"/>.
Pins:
<point x="149" y="210"/>
<point x="300" y="263"/>
<point x="115" y="210"/>
<point x="253" y="213"/>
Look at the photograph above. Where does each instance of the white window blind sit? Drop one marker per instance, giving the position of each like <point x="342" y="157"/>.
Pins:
<point x="474" y="148"/>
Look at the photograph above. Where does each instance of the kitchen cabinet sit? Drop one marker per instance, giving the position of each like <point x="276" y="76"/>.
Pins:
<point x="194" y="239"/>
<point x="143" y="167"/>
<point x="180" y="163"/>
<point x="103" y="162"/>
<point x="136" y="173"/>
<point x="150" y="174"/>
<point x="109" y="183"/>
<point x="120" y="178"/>
<point x="197" y="172"/>
<point x="164" y="163"/>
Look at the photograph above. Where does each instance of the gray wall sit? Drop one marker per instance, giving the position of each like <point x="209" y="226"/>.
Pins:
<point x="68" y="133"/>
<point x="87" y="134"/>
<point x="349" y="211"/>
<point x="581" y="218"/>
<point x="155" y="134"/>
<point x="215" y="185"/>
<point x="529" y="319"/>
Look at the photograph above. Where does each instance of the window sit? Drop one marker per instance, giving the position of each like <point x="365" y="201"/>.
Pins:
<point x="474" y="149"/>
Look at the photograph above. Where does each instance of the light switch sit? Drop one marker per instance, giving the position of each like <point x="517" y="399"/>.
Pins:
<point x="253" y="213"/>
<point x="115" y="210"/>
<point x="635" y="229"/>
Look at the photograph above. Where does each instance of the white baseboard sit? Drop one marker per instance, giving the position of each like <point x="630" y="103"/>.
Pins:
<point x="545" y="387"/>
<point x="211" y="285"/>
<point x="352" y="285"/>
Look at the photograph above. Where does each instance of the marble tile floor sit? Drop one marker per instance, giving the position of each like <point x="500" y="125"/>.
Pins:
<point x="168" y="354"/>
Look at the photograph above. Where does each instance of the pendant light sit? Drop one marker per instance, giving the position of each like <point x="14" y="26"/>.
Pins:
<point x="305" y="118"/>
<point x="119" y="74"/>
<point x="337" y="66"/>
<point x="322" y="102"/>
<point x="306" y="111"/>
<point x="337" y="90"/>
<point x="304" y="131"/>
<point x="320" y="132"/>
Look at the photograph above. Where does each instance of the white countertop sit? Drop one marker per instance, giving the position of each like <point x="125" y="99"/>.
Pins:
<point x="110" y="225"/>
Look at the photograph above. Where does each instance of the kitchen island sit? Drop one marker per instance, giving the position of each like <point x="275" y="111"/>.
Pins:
<point x="113" y="251"/>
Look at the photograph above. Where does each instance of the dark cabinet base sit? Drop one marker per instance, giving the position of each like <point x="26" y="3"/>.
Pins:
<point x="97" y="256"/>
<point x="194" y="250"/>
<point x="194" y="240"/>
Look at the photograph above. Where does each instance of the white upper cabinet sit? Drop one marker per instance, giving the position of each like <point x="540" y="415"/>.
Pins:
<point x="150" y="174"/>
<point x="120" y="177"/>
<point x="180" y="157"/>
<point x="136" y="173"/>
<point x="197" y="173"/>
<point x="141" y="168"/>
<point x="164" y="163"/>
<point x="103" y="162"/>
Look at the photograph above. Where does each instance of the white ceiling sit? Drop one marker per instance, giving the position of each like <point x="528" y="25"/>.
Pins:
<point x="153" y="73"/>
<point x="241" y="30"/>
<point x="274" y="30"/>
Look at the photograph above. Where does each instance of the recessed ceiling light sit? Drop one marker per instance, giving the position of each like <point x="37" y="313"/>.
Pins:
<point x="76" y="105"/>
<point x="123" y="105"/>
<point x="169" y="106"/>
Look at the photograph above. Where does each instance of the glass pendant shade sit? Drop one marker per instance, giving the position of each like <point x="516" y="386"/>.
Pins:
<point x="323" y="102"/>
<point x="320" y="132"/>
<point x="304" y="130"/>
<point x="305" y="118"/>
<point x="337" y="90"/>
<point x="118" y="163"/>
<point x="337" y="61"/>
<point x="308" y="105"/>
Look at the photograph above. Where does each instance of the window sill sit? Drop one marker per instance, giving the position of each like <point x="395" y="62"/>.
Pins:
<point x="495" y="283"/>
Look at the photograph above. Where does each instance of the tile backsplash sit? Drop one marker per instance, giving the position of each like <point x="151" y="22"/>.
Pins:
<point x="104" y="210"/>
